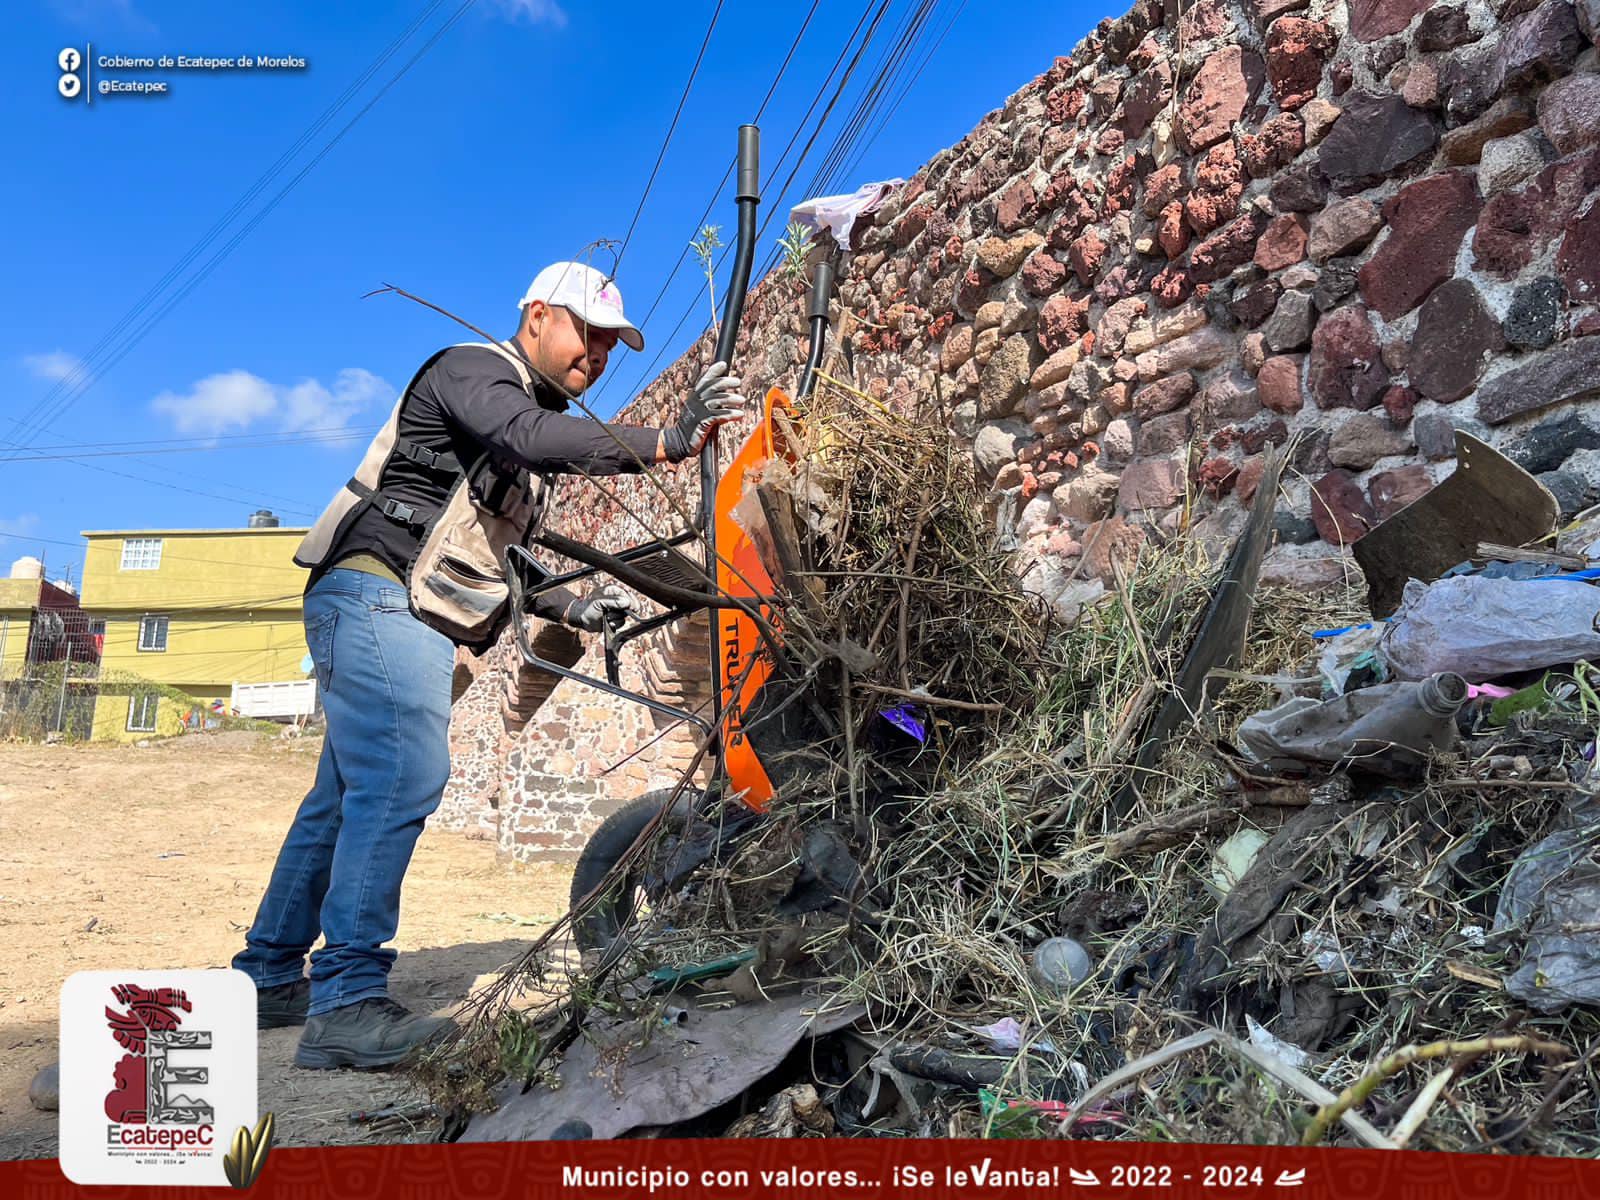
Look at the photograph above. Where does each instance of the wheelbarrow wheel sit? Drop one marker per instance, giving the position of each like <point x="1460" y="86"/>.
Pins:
<point x="615" y="910"/>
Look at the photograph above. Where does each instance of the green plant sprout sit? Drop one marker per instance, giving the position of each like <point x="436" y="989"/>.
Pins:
<point x="795" y="244"/>
<point x="704" y="246"/>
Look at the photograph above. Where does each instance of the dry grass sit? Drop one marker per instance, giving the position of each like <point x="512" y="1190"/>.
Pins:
<point x="1376" y="946"/>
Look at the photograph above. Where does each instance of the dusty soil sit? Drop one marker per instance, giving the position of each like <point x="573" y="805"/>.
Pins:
<point x="147" y="857"/>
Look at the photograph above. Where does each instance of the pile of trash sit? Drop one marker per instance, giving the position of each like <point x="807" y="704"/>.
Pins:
<point x="1209" y="865"/>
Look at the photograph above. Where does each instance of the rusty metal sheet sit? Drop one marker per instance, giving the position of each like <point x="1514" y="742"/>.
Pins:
<point x="1488" y="499"/>
<point x="681" y="1071"/>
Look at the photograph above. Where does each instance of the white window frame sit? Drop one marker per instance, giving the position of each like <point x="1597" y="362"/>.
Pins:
<point x="141" y="554"/>
<point x="148" y="706"/>
<point x="150" y="620"/>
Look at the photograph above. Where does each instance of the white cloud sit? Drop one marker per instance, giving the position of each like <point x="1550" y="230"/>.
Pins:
<point x="54" y="366"/>
<point x="310" y="405"/>
<point x="19" y="526"/>
<point x="237" y="401"/>
<point x="233" y="400"/>
<point x="535" y="12"/>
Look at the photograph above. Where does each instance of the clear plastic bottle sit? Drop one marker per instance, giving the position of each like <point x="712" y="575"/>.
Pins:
<point x="1060" y="964"/>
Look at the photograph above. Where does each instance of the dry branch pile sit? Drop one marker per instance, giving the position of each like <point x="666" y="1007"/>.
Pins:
<point x="916" y="874"/>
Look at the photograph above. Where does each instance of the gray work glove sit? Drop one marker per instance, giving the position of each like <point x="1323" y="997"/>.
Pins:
<point x="715" y="401"/>
<point x="589" y="612"/>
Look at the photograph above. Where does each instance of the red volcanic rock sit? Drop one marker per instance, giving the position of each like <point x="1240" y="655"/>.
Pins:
<point x="1427" y="221"/>
<point x="1297" y="49"/>
<point x="1221" y="91"/>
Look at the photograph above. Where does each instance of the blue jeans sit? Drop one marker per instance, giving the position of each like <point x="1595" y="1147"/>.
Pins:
<point x="385" y="683"/>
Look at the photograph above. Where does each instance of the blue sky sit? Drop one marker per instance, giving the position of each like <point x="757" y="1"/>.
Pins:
<point x="526" y="130"/>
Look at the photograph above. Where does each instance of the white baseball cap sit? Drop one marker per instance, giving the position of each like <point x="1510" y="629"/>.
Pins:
<point x="590" y="296"/>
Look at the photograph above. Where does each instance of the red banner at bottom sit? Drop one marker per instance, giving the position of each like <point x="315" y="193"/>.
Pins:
<point x="883" y="1169"/>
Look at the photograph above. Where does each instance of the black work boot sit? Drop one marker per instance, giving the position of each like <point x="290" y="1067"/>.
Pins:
<point x="282" y="1005"/>
<point x="370" y="1033"/>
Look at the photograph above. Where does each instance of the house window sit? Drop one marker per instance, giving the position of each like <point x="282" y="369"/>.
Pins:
<point x="153" y="633"/>
<point x="141" y="554"/>
<point x="142" y="708"/>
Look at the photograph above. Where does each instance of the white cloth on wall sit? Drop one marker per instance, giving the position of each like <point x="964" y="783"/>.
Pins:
<point x="838" y="214"/>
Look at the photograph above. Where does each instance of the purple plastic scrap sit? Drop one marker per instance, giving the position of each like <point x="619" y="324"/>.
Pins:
<point x="903" y="718"/>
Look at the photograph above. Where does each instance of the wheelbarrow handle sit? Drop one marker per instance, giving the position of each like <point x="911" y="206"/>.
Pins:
<point x="614" y="621"/>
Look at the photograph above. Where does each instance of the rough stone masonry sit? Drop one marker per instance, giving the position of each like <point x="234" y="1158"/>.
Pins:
<point x="1212" y="226"/>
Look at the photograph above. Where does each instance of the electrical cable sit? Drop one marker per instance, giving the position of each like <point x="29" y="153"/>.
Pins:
<point x="910" y="28"/>
<point x="869" y="99"/>
<point x="906" y="90"/>
<point x="255" y="189"/>
<point x="648" y="372"/>
<point x="218" y="437"/>
<point x="211" y="263"/>
<point x="822" y="180"/>
<point x="671" y="129"/>
<point x="776" y="196"/>
<point x="287" y="503"/>
<point x="348" y="436"/>
<point x="717" y="192"/>
<point x="237" y="498"/>
<point x="166" y="555"/>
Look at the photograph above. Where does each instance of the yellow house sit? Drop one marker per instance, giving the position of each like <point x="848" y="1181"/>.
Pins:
<point x="189" y="613"/>
<point x="18" y="598"/>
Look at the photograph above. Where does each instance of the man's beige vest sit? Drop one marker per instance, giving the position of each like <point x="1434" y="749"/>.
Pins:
<point x="457" y="582"/>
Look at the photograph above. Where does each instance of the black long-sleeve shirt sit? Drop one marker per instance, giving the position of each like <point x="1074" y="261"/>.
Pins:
<point x="468" y="399"/>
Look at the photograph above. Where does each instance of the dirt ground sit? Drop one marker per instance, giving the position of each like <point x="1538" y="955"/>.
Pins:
<point x="155" y="856"/>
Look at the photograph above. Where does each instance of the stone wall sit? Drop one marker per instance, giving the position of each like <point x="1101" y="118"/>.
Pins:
<point x="1213" y="226"/>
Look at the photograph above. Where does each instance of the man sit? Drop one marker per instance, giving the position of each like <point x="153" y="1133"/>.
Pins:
<point x="472" y="424"/>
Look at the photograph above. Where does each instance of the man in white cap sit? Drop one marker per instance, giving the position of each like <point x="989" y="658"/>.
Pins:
<point x="470" y="413"/>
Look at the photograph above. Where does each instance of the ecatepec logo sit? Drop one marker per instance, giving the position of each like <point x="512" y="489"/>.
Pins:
<point x="158" y="1069"/>
<point x="146" y="1076"/>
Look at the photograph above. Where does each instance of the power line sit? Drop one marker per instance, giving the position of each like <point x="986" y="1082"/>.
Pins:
<point x="328" y="440"/>
<point x="910" y="33"/>
<point x="716" y="192"/>
<point x="906" y="30"/>
<point x="869" y="99"/>
<point x="194" y="280"/>
<point x="890" y="65"/>
<point x="219" y="437"/>
<point x="883" y="5"/>
<point x="661" y="349"/>
<point x="671" y="129"/>
<point x="165" y="553"/>
<point x="201" y="613"/>
<point x="865" y="102"/>
<point x="81" y="369"/>
<point x="237" y="498"/>
<point x="292" y="504"/>
<point x="906" y="90"/>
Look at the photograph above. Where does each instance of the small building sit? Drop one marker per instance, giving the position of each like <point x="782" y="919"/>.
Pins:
<point x="188" y="614"/>
<point x="49" y="647"/>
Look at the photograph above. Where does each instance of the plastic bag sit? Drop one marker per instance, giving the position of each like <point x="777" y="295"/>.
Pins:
<point x="1480" y="628"/>
<point x="1351" y="657"/>
<point x="1553" y="891"/>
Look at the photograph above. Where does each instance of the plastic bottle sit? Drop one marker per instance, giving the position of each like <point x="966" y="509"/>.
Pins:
<point x="1387" y="730"/>
<point x="1060" y="964"/>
